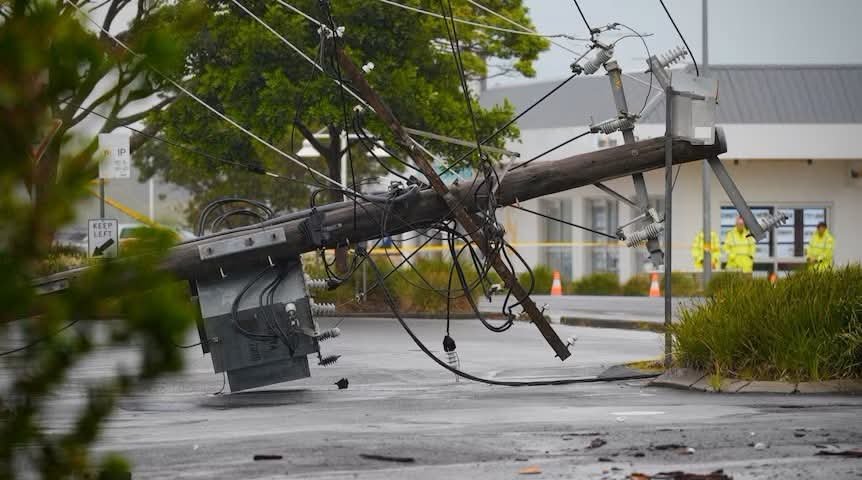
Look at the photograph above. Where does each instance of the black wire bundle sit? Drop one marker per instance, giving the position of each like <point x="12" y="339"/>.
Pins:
<point x="257" y="211"/>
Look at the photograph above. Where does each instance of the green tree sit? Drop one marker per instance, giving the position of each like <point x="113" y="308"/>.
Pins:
<point x="121" y="87"/>
<point x="245" y="71"/>
<point x="44" y="51"/>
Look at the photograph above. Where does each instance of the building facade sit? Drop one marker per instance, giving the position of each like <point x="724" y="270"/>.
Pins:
<point x="794" y="136"/>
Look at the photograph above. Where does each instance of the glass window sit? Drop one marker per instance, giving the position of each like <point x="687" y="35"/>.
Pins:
<point x="557" y="257"/>
<point x="786" y="241"/>
<point x="602" y="254"/>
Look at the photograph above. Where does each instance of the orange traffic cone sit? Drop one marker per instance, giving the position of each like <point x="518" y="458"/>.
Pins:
<point x="654" y="290"/>
<point x="557" y="286"/>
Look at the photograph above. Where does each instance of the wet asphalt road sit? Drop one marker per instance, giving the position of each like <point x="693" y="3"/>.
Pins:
<point x="400" y="404"/>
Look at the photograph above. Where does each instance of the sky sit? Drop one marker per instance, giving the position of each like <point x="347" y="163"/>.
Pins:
<point x="740" y="31"/>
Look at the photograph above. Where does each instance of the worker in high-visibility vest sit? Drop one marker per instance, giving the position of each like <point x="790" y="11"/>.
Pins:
<point x="698" y="248"/>
<point x="739" y="247"/>
<point x="818" y="252"/>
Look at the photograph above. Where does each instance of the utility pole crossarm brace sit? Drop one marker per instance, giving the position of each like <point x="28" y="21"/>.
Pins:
<point x="424" y="162"/>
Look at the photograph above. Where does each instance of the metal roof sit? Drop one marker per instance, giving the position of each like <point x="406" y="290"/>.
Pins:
<point x="770" y="94"/>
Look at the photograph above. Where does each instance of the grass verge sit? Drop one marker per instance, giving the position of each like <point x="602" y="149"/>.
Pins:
<point x="805" y="328"/>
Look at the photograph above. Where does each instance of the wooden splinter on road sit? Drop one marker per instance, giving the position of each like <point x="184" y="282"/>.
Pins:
<point x="424" y="161"/>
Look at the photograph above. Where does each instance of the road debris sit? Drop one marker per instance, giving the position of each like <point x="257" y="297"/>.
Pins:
<point x="835" y="451"/>
<point x="530" y="470"/>
<point x="597" y="442"/>
<point x="387" y="458"/>
<point x="267" y="457"/>
<point x="668" y="446"/>
<point x="760" y="446"/>
<point x="342" y="384"/>
<point x="605" y="459"/>
<point x="677" y="475"/>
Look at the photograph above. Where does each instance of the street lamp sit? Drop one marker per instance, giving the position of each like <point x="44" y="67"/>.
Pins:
<point x="308" y="150"/>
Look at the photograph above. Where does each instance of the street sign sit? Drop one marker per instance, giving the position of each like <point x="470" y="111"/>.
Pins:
<point x="116" y="161"/>
<point x="103" y="238"/>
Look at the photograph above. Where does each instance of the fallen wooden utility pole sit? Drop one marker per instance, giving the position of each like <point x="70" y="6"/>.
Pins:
<point x="455" y="205"/>
<point x="426" y="207"/>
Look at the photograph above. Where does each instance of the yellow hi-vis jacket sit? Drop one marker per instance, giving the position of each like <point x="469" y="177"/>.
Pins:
<point x="818" y="252"/>
<point x="739" y="247"/>
<point x="698" y="248"/>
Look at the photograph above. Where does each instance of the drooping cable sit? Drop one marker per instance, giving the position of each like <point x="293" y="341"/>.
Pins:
<point x="509" y="123"/>
<point x="245" y="166"/>
<point x="555" y="147"/>
<point x="584" y="18"/>
<point x="681" y="37"/>
<point x="564" y="222"/>
<point x="40" y="340"/>
<point x="480" y="25"/>
<point x="201" y="102"/>
<point x="567" y="381"/>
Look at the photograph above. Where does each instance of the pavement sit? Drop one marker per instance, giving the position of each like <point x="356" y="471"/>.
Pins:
<point x="400" y="404"/>
<point x="612" y="308"/>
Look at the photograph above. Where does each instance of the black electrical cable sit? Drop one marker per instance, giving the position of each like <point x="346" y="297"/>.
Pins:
<point x="670" y="17"/>
<point x="188" y="346"/>
<point x="568" y="381"/>
<point x="509" y="123"/>
<point x="245" y="166"/>
<point x="584" y="18"/>
<point x="575" y="225"/>
<point x="459" y="64"/>
<point x="525" y="163"/>
<point x="40" y="340"/>
<point x="648" y="55"/>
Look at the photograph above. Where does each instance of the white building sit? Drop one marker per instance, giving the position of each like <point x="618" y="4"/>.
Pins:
<point x="794" y="136"/>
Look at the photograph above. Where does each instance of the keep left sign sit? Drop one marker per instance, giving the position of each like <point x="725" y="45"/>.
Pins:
<point x="116" y="161"/>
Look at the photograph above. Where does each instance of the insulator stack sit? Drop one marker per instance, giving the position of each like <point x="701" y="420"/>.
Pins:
<point x="770" y="221"/>
<point x="454" y="362"/>
<point x="327" y="334"/>
<point x="652" y="230"/>
<point x="322" y="309"/>
<point x="599" y="59"/>
<point x="315" y="283"/>
<point x="327" y="360"/>
<point x="671" y="57"/>
<point x="610" y="126"/>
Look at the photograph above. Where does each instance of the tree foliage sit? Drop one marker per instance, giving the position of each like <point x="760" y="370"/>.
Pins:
<point x="44" y="51"/>
<point x="120" y="87"/>
<point x="245" y="71"/>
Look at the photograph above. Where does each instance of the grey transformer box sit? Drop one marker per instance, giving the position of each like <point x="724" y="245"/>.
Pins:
<point x="258" y="323"/>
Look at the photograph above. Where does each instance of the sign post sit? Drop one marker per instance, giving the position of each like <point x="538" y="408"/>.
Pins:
<point x="116" y="162"/>
<point x="103" y="238"/>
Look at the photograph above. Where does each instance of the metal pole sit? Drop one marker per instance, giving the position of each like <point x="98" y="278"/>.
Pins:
<point x="668" y="202"/>
<point x="705" y="172"/>
<point x="344" y="145"/>
<point x="152" y="205"/>
<point x="101" y="198"/>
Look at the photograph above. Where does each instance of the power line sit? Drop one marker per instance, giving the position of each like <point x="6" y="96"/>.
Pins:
<point x="670" y="17"/>
<point x="39" y="340"/>
<point x="480" y="25"/>
<point x="589" y="28"/>
<point x="555" y="147"/>
<point x="251" y="168"/>
<point x="522" y="27"/>
<point x="510" y="122"/>
<point x="560" y="220"/>
<point x="203" y="103"/>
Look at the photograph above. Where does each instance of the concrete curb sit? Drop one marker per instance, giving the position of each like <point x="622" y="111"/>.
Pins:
<point x="579" y="321"/>
<point x="696" y="380"/>
<point x="418" y="316"/>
